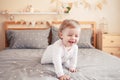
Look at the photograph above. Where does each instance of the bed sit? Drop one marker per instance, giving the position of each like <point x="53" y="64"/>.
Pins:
<point x="23" y="62"/>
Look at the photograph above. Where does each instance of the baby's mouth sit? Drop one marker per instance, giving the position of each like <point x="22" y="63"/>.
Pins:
<point x="71" y="42"/>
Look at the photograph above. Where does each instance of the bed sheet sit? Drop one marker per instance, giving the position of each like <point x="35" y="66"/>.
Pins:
<point x="24" y="64"/>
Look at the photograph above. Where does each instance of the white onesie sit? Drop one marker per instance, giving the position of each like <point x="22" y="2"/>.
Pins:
<point x="58" y="55"/>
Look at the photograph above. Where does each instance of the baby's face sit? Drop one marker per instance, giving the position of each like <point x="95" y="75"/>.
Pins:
<point x="70" y="36"/>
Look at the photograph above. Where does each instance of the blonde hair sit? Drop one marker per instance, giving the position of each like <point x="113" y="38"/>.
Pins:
<point x="68" y="23"/>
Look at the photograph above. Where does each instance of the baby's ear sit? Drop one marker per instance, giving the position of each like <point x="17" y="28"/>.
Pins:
<point x="60" y="35"/>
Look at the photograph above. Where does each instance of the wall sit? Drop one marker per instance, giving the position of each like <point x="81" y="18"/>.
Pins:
<point x="110" y="11"/>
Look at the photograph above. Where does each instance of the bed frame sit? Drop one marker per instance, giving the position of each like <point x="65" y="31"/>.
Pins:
<point x="8" y="23"/>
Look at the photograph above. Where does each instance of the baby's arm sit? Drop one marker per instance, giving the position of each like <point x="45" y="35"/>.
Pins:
<point x="73" y="60"/>
<point x="58" y="64"/>
<point x="57" y="61"/>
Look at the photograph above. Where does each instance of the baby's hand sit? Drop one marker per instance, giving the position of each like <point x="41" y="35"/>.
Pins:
<point x="64" y="77"/>
<point x="72" y="70"/>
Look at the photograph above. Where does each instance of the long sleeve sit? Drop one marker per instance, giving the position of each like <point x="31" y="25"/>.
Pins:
<point x="73" y="60"/>
<point x="53" y="54"/>
<point x="57" y="61"/>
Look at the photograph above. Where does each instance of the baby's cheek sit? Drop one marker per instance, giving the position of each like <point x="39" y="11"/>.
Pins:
<point x="77" y="40"/>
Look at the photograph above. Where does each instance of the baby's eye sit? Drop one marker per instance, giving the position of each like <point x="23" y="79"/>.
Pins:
<point x="76" y="35"/>
<point x="69" y="35"/>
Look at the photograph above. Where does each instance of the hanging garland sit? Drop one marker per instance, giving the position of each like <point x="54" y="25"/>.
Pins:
<point x="96" y="4"/>
<point x="63" y="7"/>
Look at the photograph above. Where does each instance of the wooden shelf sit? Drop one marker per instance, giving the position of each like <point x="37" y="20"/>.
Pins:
<point x="17" y="13"/>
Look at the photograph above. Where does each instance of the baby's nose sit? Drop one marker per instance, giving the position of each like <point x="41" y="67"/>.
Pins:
<point x="73" y="37"/>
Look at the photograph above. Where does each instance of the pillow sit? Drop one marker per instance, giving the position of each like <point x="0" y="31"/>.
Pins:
<point x="20" y="39"/>
<point x="55" y="36"/>
<point x="85" y="38"/>
<point x="84" y="41"/>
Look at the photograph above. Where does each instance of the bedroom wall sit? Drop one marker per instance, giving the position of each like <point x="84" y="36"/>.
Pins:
<point x="110" y="12"/>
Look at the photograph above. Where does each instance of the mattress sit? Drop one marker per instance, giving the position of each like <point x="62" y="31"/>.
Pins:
<point x="24" y="64"/>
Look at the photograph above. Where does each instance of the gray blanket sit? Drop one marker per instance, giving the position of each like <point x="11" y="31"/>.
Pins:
<point x="24" y="64"/>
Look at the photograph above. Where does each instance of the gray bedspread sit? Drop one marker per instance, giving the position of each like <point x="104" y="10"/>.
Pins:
<point x="24" y="64"/>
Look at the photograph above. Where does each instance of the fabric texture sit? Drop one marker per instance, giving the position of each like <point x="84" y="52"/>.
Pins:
<point x="24" y="64"/>
<point x="19" y="39"/>
<point x="84" y="41"/>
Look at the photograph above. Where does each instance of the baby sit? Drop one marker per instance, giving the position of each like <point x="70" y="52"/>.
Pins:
<point x="64" y="51"/>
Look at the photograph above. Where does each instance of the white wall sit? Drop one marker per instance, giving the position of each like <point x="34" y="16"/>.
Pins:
<point x="110" y="11"/>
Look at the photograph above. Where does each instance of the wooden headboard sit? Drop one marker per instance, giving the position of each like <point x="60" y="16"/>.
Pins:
<point x="8" y="23"/>
<point x="85" y="24"/>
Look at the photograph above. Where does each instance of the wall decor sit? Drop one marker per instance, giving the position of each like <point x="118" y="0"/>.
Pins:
<point x="88" y="4"/>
